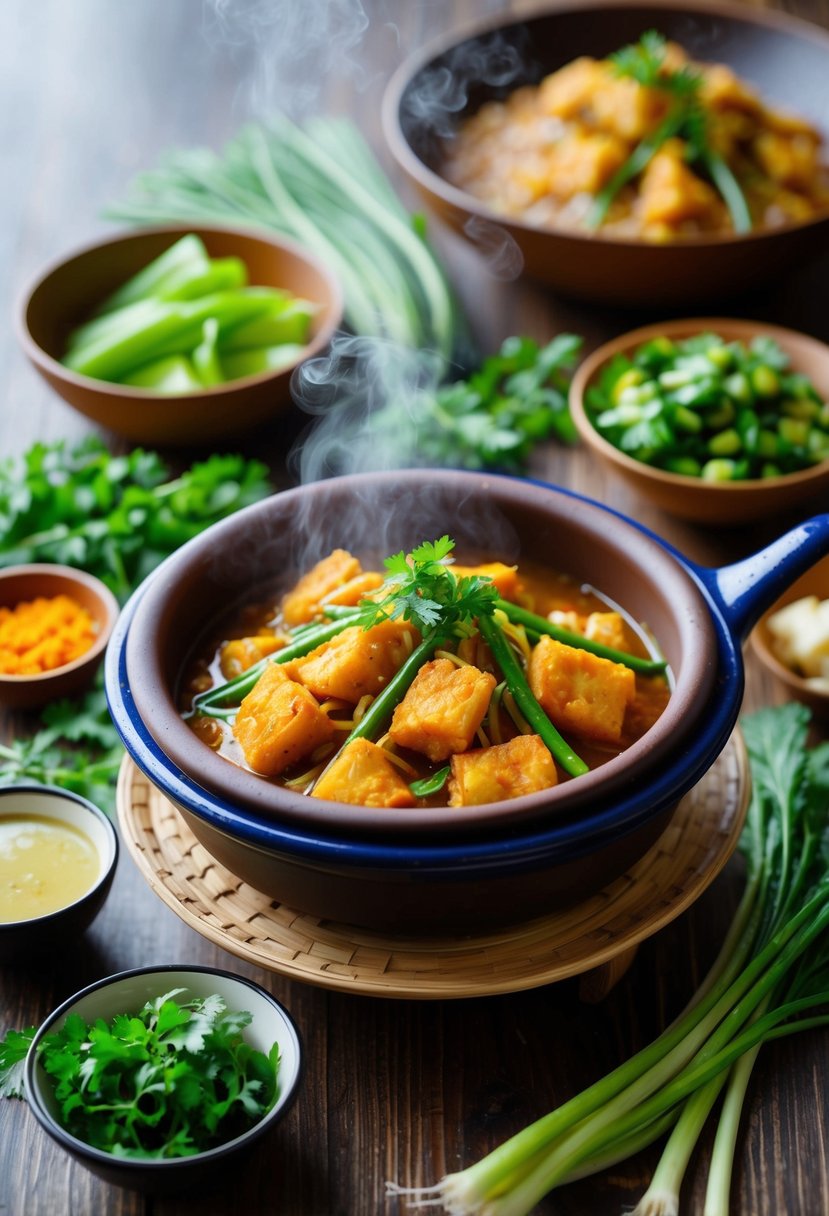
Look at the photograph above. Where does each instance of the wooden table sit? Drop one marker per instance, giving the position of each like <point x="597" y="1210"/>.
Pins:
<point x="92" y="93"/>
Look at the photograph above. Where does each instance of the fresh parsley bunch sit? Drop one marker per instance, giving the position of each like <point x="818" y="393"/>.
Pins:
<point x="114" y="516"/>
<point x="493" y="420"/>
<point x="174" y="1080"/>
<point x="78" y="749"/>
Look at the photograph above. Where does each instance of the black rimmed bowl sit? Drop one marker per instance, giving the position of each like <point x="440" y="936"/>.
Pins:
<point x="430" y="94"/>
<point x="128" y="992"/>
<point x="416" y="871"/>
<point x="20" y="940"/>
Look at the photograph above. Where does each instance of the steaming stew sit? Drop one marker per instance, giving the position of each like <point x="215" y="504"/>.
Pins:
<point x="456" y="734"/>
<point x="644" y="144"/>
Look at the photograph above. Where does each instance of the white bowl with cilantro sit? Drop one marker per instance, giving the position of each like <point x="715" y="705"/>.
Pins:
<point x="155" y="1078"/>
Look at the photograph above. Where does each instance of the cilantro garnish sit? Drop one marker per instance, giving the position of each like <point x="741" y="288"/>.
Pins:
<point x="686" y="119"/>
<point x="174" y="1080"/>
<point x="421" y="588"/>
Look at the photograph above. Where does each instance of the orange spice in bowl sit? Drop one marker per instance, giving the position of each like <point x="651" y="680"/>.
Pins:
<point x="43" y="634"/>
<point x="55" y="622"/>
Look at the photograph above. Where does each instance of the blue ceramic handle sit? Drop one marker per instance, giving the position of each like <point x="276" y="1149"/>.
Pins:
<point x="744" y="590"/>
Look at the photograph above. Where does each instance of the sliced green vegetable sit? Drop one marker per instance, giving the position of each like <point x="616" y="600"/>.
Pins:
<point x="174" y="374"/>
<point x="187" y="253"/>
<point x="266" y="359"/>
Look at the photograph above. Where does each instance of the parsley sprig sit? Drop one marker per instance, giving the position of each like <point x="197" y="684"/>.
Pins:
<point x="176" y="1079"/>
<point x="422" y="588"/>
<point x="686" y="119"/>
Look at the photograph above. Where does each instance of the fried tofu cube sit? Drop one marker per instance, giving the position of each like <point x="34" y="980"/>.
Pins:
<point x="580" y="691"/>
<point x="241" y="653"/>
<point x="442" y="710"/>
<point x="279" y="722"/>
<point x="582" y="163"/>
<point x="505" y="578"/>
<point x="355" y="662"/>
<point x="302" y="603"/>
<point x="363" y="775"/>
<point x="672" y="193"/>
<point x="507" y="770"/>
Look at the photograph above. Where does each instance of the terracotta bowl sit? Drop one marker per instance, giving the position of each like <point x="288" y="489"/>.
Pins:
<point x="68" y="291"/>
<point x="792" y="686"/>
<point x="128" y="992"/>
<point x="19" y="584"/>
<point x="497" y="862"/>
<point x="724" y="503"/>
<point x="434" y="90"/>
<point x="21" y="940"/>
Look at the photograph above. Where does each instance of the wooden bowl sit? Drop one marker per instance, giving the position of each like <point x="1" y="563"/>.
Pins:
<point x="431" y="93"/>
<point x="724" y="503"/>
<point x="814" y="582"/>
<point x="19" y="584"/>
<point x="68" y="291"/>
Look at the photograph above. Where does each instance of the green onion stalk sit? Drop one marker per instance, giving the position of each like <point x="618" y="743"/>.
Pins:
<point x="770" y="979"/>
<point x="320" y="185"/>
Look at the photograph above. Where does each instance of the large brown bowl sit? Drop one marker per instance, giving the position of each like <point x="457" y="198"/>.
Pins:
<point x="418" y="871"/>
<point x="724" y="503"/>
<point x="68" y="291"/>
<point x="489" y="517"/>
<point x="784" y="58"/>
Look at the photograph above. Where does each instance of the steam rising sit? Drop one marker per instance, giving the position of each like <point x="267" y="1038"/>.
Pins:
<point x="297" y="47"/>
<point x="364" y="395"/>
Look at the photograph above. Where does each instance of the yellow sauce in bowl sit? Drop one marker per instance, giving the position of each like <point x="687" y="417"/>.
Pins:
<point x="45" y="864"/>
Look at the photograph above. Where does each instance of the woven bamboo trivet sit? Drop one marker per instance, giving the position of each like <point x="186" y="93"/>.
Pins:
<point x="598" y="936"/>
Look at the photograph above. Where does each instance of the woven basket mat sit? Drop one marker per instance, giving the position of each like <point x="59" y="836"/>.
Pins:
<point x="605" y="927"/>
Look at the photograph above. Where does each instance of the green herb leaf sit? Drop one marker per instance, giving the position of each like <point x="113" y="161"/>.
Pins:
<point x="430" y="785"/>
<point x="421" y="588"/>
<point x="13" y="1051"/>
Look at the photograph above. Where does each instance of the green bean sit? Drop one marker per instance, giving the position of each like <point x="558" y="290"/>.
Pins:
<point x="540" y="624"/>
<point x="380" y="710"/>
<point x="524" y="697"/>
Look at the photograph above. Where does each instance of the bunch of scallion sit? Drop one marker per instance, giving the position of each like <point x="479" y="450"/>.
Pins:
<point x="770" y="979"/>
<point x="320" y="185"/>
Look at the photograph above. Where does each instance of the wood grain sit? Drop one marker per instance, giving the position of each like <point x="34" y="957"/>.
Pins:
<point x="408" y="1090"/>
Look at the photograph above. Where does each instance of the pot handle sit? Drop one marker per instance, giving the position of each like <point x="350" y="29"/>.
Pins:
<point x="747" y="588"/>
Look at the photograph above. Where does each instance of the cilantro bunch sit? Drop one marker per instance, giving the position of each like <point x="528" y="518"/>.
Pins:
<point x="114" y="516"/>
<point x="77" y="748"/>
<point x="175" y="1080"/>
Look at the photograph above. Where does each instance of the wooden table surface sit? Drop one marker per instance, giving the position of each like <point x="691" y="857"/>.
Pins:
<point x="93" y="92"/>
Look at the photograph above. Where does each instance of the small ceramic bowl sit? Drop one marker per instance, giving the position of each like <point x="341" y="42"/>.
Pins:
<point x="68" y="291"/>
<point x="435" y="89"/>
<point x="793" y="686"/>
<point x="128" y="992"/>
<point x="21" y="939"/>
<point x="723" y="503"/>
<point x="20" y="584"/>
